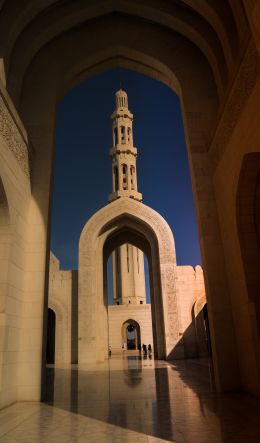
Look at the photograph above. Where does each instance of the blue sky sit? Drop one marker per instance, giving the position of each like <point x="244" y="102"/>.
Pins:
<point x="82" y="175"/>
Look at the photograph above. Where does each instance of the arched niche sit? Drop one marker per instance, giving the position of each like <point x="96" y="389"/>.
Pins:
<point x="126" y="221"/>
<point x="51" y="336"/>
<point x="62" y="329"/>
<point x="134" y="324"/>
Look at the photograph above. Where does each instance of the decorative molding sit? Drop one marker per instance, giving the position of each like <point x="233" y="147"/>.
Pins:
<point x="243" y="85"/>
<point x="94" y="235"/>
<point x="13" y="138"/>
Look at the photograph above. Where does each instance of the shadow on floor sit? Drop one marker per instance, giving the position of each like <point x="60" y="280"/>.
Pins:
<point x="174" y="402"/>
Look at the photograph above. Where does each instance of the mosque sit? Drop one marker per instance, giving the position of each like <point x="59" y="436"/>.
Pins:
<point x="130" y="319"/>
<point x="208" y="53"/>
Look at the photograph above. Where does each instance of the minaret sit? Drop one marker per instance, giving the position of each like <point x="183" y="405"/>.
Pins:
<point x="123" y="153"/>
<point x="127" y="260"/>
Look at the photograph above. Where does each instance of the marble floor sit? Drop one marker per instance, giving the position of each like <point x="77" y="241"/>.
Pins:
<point x="130" y="399"/>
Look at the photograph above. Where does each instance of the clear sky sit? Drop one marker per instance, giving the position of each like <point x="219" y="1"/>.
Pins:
<point x="82" y="176"/>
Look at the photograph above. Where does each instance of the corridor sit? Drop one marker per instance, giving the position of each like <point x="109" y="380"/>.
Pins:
<point x="131" y="399"/>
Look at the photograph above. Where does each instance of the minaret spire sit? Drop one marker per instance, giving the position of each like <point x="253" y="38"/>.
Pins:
<point x="127" y="260"/>
<point x="123" y="153"/>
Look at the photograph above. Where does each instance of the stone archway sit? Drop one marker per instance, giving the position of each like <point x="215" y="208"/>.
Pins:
<point x="203" y="40"/>
<point x="122" y="221"/>
<point x="62" y="329"/>
<point x="135" y="328"/>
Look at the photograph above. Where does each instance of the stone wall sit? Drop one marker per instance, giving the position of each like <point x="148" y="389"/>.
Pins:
<point x="190" y="289"/>
<point x="18" y="309"/>
<point x="62" y="300"/>
<point x="63" y="296"/>
<point x="118" y="315"/>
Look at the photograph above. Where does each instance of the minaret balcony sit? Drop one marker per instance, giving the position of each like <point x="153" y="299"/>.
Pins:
<point x="123" y="112"/>
<point x="135" y="195"/>
<point x="123" y="149"/>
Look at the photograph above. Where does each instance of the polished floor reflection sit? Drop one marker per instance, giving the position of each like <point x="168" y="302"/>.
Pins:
<point x="130" y="399"/>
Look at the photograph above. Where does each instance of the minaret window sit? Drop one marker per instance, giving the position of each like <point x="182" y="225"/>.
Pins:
<point x="127" y="257"/>
<point x="124" y="174"/>
<point x="116" y="177"/>
<point x="132" y="172"/>
<point x="115" y="136"/>
<point x="129" y="134"/>
<point x="122" y="134"/>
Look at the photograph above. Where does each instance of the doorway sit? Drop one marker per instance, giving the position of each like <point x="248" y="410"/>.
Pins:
<point x="50" y="346"/>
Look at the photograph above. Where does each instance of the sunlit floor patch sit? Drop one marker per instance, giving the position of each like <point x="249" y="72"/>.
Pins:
<point x="130" y="399"/>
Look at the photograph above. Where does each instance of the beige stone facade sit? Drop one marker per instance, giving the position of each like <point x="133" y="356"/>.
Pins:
<point x="191" y="299"/>
<point x="118" y="319"/>
<point x="63" y="302"/>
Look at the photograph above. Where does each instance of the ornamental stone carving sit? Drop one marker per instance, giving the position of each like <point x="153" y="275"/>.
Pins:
<point x="242" y="87"/>
<point x="13" y="138"/>
<point x="138" y="218"/>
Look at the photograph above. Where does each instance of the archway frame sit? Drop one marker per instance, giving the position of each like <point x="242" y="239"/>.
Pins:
<point x="96" y="243"/>
<point x="27" y="74"/>
<point x="199" y="101"/>
<point x="63" y="330"/>
<point x="137" y="326"/>
<point x="51" y="334"/>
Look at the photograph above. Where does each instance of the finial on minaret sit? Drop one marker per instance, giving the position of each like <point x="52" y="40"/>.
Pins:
<point x="121" y="100"/>
<point x="123" y="153"/>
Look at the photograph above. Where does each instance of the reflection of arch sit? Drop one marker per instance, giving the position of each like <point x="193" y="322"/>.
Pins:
<point x="51" y="332"/>
<point x="131" y="343"/>
<point x="132" y="366"/>
<point x="126" y="221"/>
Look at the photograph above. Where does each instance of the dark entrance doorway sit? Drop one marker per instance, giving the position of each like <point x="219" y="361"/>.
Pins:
<point x="50" y="346"/>
<point x="131" y="334"/>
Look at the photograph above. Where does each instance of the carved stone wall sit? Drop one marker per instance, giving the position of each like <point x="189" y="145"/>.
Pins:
<point x="13" y="137"/>
<point x="242" y="87"/>
<point x="158" y="244"/>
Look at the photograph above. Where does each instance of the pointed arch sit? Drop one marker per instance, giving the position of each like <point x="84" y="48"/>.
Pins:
<point x="137" y="338"/>
<point x="126" y="221"/>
